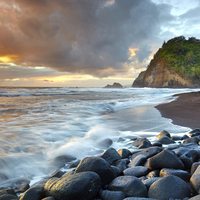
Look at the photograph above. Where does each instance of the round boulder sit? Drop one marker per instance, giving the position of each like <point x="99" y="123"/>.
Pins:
<point x="130" y="185"/>
<point x="85" y="185"/>
<point x="176" y="172"/>
<point x="163" y="134"/>
<point x="98" y="165"/>
<point x="112" y="195"/>
<point x="165" y="159"/>
<point x="124" y="153"/>
<point x="169" y="187"/>
<point x="111" y="156"/>
<point x="137" y="171"/>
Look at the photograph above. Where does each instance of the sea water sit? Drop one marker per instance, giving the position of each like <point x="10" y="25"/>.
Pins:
<point x="40" y="124"/>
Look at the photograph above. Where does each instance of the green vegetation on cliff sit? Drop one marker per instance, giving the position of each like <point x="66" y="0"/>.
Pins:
<point x="181" y="55"/>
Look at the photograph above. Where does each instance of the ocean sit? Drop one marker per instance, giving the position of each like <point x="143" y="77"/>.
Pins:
<point x="39" y="124"/>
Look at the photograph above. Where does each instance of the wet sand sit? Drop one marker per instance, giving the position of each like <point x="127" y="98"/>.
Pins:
<point x="184" y="111"/>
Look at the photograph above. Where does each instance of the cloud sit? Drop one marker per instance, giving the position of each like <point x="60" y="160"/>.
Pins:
<point x="87" y="36"/>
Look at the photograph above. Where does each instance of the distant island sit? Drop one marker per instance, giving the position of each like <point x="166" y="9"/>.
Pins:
<point x="175" y="65"/>
<point x="114" y="85"/>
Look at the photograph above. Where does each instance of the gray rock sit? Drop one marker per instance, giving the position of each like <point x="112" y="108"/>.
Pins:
<point x="163" y="134"/>
<point x="145" y="144"/>
<point x="139" y="160"/>
<point x="130" y="185"/>
<point x="169" y="187"/>
<point x="138" y="141"/>
<point x="23" y="188"/>
<point x="197" y="197"/>
<point x="116" y="170"/>
<point x="191" y="140"/>
<point x="165" y="159"/>
<point x="8" y="197"/>
<point x="111" y="156"/>
<point x="157" y="144"/>
<point x="149" y="152"/>
<point x="85" y="185"/>
<point x="153" y="174"/>
<point x="176" y="138"/>
<point x="111" y="195"/>
<point x="186" y="155"/>
<point x="195" y="132"/>
<point x="8" y="191"/>
<point x="195" y="180"/>
<point x="122" y="164"/>
<point x="148" y="182"/>
<point x="33" y="193"/>
<point x="194" y="167"/>
<point x="137" y="171"/>
<point x="74" y="164"/>
<point x="124" y="153"/>
<point x="98" y="165"/>
<point x="176" y="172"/>
<point x="166" y="140"/>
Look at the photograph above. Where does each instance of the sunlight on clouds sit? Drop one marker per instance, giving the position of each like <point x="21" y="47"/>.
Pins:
<point x="65" y="78"/>
<point x="132" y="52"/>
<point x="8" y="59"/>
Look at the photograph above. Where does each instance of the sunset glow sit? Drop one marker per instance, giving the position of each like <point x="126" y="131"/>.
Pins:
<point x="86" y="43"/>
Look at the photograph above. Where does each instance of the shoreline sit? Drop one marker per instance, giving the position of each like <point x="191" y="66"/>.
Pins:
<point x="184" y="111"/>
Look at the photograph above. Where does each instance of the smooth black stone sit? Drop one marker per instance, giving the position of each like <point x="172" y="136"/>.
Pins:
<point x="111" y="156"/>
<point x="153" y="174"/>
<point x="176" y="137"/>
<point x="74" y="164"/>
<point x="176" y="172"/>
<point x="130" y="185"/>
<point x="23" y="188"/>
<point x="195" y="132"/>
<point x="111" y="195"/>
<point x="191" y="140"/>
<point x="186" y="155"/>
<point x="81" y="186"/>
<point x="98" y="165"/>
<point x="148" y="182"/>
<point x="165" y="140"/>
<point x="122" y="164"/>
<point x="195" y="180"/>
<point x="33" y="193"/>
<point x="144" y="144"/>
<point x="7" y="191"/>
<point x="194" y="167"/>
<point x="139" y="160"/>
<point x="157" y="144"/>
<point x="149" y="152"/>
<point x="8" y="197"/>
<point x="137" y="171"/>
<point x="169" y="187"/>
<point x="124" y="153"/>
<point x="163" y="134"/>
<point x="165" y="159"/>
<point x="138" y="141"/>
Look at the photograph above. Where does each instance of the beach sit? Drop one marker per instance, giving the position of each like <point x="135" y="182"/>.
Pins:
<point x="184" y="111"/>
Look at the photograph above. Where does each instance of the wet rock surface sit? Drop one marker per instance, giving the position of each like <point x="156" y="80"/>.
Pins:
<point x="148" y="172"/>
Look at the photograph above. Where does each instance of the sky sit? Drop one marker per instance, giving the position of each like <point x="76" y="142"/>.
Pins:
<point x="87" y="43"/>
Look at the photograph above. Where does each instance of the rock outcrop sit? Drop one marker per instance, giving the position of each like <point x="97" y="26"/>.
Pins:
<point x="175" y="65"/>
<point x="114" y="85"/>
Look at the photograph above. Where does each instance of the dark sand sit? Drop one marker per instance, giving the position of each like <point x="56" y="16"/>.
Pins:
<point x="184" y="111"/>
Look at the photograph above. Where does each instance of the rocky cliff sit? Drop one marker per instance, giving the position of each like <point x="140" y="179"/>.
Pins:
<point x="175" y="65"/>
